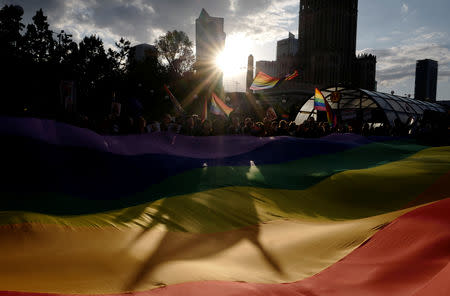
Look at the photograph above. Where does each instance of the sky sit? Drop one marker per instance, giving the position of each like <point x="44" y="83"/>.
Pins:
<point x="397" y="32"/>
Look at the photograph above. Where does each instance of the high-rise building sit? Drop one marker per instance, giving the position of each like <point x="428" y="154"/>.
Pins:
<point x="286" y="58"/>
<point x="209" y="37"/>
<point x="326" y="53"/>
<point x="327" y="41"/>
<point x="426" y="80"/>
<point x="250" y="72"/>
<point x="365" y="71"/>
<point x="268" y="67"/>
<point x="210" y="41"/>
<point x="287" y="47"/>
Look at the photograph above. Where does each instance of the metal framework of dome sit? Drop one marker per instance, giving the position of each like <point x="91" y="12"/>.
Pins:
<point x="349" y="104"/>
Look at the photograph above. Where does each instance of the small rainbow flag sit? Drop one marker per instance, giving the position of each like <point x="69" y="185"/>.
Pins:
<point x="219" y="107"/>
<point x="319" y="101"/>
<point x="291" y="76"/>
<point x="321" y="104"/>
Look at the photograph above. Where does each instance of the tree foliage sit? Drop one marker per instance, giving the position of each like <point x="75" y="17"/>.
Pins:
<point x="175" y="49"/>
<point x="119" y="57"/>
<point x="10" y="27"/>
<point x="38" y="39"/>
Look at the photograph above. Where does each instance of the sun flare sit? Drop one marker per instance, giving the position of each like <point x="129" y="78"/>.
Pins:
<point x="233" y="59"/>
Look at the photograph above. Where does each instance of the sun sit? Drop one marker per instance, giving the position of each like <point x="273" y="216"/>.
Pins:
<point x="232" y="61"/>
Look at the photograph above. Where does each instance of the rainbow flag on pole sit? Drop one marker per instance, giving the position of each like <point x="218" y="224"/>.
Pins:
<point x="174" y="100"/>
<point x="321" y="104"/>
<point x="263" y="81"/>
<point x="218" y="107"/>
<point x="204" y="115"/>
<point x="291" y="76"/>
<point x="319" y="101"/>
<point x="163" y="214"/>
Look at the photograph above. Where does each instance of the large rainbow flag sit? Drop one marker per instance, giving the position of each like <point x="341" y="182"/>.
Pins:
<point x="165" y="214"/>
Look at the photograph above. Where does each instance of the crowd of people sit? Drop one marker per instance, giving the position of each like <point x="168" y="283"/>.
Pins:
<point x="193" y="125"/>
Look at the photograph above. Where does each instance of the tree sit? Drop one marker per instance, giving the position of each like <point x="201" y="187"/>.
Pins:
<point x="120" y="57"/>
<point x="97" y="79"/>
<point x="11" y="52"/>
<point x="66" y="50"/>
<point x="175" y="50"/>
<point x="93" y="60"/>
<point x="38" y="38"/>
<point x="10" y="27"/>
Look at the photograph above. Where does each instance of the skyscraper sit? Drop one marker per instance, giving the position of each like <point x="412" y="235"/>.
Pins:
<point x="327" y="41"/>
<point x="287" y="47"/>
<point x="364" y="72"/>
<point x="210" y="41"/>
<point x="426" y="80"/>
<point x="209" y="37"/>
<point x="286" y="61"/>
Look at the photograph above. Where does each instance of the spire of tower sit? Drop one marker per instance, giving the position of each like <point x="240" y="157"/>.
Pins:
<point x="204" y="14"/>
<point x="250" y="72"/>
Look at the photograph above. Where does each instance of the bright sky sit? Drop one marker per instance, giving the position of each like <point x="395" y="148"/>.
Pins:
<point x="397" y="32"/>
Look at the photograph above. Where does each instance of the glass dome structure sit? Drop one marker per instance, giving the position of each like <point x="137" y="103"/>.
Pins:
<point x="368" y="106"/>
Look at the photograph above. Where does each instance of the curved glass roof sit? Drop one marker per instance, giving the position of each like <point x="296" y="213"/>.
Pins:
<point x="363" y="104"/>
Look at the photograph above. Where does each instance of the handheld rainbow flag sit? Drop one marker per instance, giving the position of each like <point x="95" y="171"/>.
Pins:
<point x="174" y="100"/>
<point x="214" y="109"/>
<point x="205" y="110"/>
<point x="218" y="107"/>
<point x="331" y="117"/>
<point x="161" y="214"/>
<point x="291" y="76"/>
<point x="319" y="101"/>
<point x="321" y="104"/>
<point x="265" y="81"/>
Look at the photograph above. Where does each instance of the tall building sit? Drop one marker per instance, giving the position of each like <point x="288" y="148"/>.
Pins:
<point x="327" y="41"/>
<point x="210" y="41"/>
<point x="250" y="72"/>
<point x="287" y="47"/>
<point x="426" y="80"/>
<point x="209" y="37"/>
<point x="365" y="71"/>
<point x="287" y="50"/>
<point x="286" y="61"/>
<point x="268" y="67"/>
